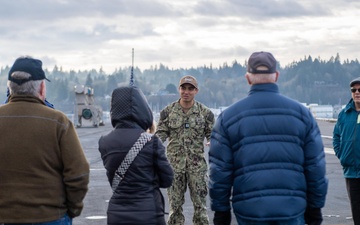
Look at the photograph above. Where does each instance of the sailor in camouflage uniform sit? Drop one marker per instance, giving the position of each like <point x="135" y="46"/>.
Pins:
<point x="186" y="123"/>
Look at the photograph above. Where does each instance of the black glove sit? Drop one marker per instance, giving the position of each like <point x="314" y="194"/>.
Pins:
<point x="313" y="216"/>
<point x="222" y="218"/>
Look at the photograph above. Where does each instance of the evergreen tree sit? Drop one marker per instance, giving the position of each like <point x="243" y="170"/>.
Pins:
<point x="89" y="81"/>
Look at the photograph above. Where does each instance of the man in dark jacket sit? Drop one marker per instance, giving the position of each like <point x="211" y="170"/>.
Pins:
<point x="44" y="174"/>
<point x="346" y="142"/>
<point x="266" y="156"/>
<point x="137" y="199"/>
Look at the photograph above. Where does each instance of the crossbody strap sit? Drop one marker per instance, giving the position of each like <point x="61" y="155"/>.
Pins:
<point x="129" y="158"/>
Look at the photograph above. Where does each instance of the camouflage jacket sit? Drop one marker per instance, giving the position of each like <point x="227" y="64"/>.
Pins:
<point x="186" y="133"/>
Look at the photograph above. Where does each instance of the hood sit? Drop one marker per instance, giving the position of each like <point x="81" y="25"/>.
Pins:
<point x="129" y="108"/>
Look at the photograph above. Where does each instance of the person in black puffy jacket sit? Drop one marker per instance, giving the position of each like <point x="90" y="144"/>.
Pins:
<point x="137" y="199"/>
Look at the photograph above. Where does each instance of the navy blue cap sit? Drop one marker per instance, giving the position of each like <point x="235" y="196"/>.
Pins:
<point x="28" y="65"/>
<point x="261" y="59"/>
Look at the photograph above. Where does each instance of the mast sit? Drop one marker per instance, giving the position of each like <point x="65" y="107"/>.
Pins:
<point x="132" y="70"/>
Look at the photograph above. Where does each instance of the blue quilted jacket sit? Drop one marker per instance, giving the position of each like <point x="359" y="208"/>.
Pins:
<point x="267" y="158"/>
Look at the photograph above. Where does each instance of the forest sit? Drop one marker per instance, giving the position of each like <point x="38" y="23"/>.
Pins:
<point x="309" y="80"/>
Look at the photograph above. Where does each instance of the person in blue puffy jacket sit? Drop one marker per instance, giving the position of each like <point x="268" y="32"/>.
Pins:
<point x="266" y="156"/>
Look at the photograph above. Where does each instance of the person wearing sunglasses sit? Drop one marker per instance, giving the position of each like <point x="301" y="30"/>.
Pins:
<point x="346" y="143"/>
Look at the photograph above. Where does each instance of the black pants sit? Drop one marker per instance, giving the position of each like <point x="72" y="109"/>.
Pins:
<point x="353" y="190"/>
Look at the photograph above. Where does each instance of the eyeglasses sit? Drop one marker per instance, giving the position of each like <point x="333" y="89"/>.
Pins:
<point x="353" y="90"/>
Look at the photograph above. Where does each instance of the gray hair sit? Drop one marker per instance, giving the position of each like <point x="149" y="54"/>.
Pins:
<point x="31" y="87"/>
<point x="262" y="78"/>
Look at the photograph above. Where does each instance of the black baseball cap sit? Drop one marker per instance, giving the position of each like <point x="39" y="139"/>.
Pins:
<point x="29" y="65"/>
<point x="261" y="59"/>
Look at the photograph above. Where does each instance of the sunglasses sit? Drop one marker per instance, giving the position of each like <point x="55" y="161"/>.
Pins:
<point x="353" y="90"/>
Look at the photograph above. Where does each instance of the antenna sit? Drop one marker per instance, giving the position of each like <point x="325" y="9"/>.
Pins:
<point x="132" y="70"/>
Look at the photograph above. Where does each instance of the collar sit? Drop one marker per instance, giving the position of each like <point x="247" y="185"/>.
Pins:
<point x="194" y="107"/>
<point x="350" y="106"/>
<point x="268" y="87"/>
<point x="25" y="98"/>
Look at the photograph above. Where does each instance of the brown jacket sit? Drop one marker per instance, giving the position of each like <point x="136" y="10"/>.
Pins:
<point x="43" y="170"/>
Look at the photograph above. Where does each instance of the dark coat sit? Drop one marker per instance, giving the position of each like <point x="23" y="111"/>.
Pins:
<point x="43" y="170"/>
<point x="346" y="140"/>
<point x="138" y="199"/>
<point x="266" y="151"/>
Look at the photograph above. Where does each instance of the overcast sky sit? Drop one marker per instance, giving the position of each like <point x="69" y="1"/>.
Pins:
<point x="89" y="34"/>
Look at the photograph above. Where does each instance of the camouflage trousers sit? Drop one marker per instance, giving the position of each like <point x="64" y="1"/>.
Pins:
<point x="197" y="183"/>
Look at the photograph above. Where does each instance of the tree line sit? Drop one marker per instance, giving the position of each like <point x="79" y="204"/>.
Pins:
<point x="309" y="80"/>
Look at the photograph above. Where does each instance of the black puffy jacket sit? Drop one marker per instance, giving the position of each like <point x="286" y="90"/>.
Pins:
<point x="137" y="199"/>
